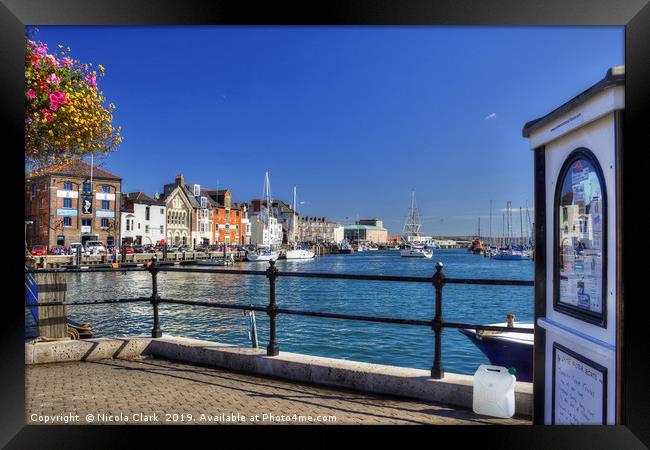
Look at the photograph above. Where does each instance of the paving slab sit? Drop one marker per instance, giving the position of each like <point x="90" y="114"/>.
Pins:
<point x="146" y="390"/>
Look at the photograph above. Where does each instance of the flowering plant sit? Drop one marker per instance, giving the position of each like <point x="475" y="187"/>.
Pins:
<point x="65" y="113"/>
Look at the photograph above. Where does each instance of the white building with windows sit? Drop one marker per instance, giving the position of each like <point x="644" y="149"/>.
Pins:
<point x="144" y="219"/>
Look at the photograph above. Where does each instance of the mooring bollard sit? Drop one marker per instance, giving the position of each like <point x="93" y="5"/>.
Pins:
<point x="272" y="309"/>
<point x="437" y="370"/>
<point x="155" y="298"/>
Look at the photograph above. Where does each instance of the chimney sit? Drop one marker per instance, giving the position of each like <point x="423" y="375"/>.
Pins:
<point x="180" y="179"/>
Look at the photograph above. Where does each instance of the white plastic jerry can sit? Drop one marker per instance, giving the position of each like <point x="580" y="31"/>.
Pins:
<point x="494" y="391"/>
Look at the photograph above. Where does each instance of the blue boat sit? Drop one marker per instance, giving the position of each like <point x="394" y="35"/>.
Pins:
<point x="507" y="349"/>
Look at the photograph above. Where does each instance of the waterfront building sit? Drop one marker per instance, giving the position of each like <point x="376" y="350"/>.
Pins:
<point x="72" y="202"/>
<point x="179" y="212"/>
<point x="144" y="219"/>
<point x="319" y="229"/>
<point x="227" y="218"/>
<point x="367" y="231"/>
<point x="261" y="234"/>
<point x="245" y="227"/>
<point x="194" y="216"/>
<point x="288" y="218"/>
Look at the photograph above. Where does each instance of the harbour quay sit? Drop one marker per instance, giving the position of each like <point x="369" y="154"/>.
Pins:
<point x="192" y="376"/>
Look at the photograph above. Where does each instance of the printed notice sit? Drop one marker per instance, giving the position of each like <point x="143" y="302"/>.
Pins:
<point x="580" y="232"/>
<point x="579" y="391"/>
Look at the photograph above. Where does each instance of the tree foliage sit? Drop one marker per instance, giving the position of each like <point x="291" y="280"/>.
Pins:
<point x="65" y="113"/>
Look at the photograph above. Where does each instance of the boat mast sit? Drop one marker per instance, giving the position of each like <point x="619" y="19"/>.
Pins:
<point x="521" y="228"/>
<point x="295" y="214"/>
<point x="412" y="224"/>
<point x="490" y="222"/>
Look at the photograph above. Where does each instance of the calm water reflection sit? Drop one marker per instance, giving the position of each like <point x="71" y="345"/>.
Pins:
<point x="400" y="345"/>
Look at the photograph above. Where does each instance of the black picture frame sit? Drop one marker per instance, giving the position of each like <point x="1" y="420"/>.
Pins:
<point x="595" y="318"/>
<point x="634" y="15"/>
<point x="597" y="367"/>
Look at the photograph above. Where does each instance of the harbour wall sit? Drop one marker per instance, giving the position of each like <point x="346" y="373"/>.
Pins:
<point x="453" y="389"/>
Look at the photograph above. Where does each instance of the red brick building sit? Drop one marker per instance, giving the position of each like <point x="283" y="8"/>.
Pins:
<point x="227" y="219"/>
<point x="65" y="206"/>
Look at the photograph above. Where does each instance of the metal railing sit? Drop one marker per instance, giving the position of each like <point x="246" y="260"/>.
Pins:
<point x="437" y="323"/>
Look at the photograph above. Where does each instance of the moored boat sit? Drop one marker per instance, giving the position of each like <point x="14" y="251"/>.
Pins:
<point x="299" y="252"/>
<point x="264" y="254"/>
<point x="415" y="252"/>
<point x="506" y="348"/>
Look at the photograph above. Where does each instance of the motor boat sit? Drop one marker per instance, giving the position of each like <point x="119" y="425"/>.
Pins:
<point x="506" y="348"/>
<point x="415" y="252"/>
<point x="265" y="254"/>
<point x="300" y="252"/>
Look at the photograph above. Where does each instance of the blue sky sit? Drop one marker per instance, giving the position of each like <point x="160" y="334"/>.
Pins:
<point x="356" y="117"/>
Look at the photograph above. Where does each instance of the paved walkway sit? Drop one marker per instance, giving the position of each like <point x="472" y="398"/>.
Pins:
<point x="156" y="391"/>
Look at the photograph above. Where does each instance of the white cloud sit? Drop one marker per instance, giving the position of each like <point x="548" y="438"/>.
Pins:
<point x="491" y="116"/>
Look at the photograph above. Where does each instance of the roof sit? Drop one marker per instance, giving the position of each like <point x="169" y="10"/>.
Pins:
<point x="141" y="198"/>
<point x="188" y="189"/>
<point x="615" y="76"/>
<point x="74" y="167"/>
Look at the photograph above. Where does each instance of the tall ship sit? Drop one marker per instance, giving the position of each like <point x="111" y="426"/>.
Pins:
<point x="414" y="241"/>
<point x="266" y="252"/>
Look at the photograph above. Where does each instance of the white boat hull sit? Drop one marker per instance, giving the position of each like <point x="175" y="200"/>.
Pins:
<point x="299" y="254"/>
<point x="264" y="257"/>
<point x="415" y="253"/>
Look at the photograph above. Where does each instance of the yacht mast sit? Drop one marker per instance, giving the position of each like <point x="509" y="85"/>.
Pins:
<point x="412" y="224"/>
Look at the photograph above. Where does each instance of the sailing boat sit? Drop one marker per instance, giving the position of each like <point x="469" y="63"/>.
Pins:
<point x="298" y="251"/>
<point x="411" y="235"/>
<point x="266" y="253"/>
<point x="359" y="246"/>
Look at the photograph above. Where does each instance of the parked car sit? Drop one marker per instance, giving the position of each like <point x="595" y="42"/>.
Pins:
<point x="95" y="247"/>
<point x="39" y="250"/>
<point x="172" y="248"/>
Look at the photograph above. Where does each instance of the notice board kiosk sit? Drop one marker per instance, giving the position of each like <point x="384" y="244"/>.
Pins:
<point x="578" y="302"/>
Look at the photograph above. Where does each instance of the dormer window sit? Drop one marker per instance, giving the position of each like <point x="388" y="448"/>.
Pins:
<point x="204" y="202"/>
<point x="197" y="190"/>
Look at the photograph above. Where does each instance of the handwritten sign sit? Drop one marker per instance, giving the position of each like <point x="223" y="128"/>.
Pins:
<point x="579" y="389"/>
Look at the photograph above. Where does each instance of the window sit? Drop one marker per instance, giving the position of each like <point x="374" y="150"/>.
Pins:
<point x="67" y="186"/>
<point x="86" y="188"/>
<point x="106" y="204"/>
<point x="60" y="240"/>
<point x="146" y="228"/>
<point x="106" y="189"/>
<point x="138" y="225"/>
<point x="104" y="223"/>
<point x="67" y="221"/>
<point x="147" y="213"/>
<point x="33" y="190"/>
<point x="67" y="203"/>
<point x="162" y="231"/>
<point x="86" y="222"/>
<point x="162" y="210"/>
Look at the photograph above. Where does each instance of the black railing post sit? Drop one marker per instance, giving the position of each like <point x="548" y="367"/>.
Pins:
<point x="155" y="298"/>
<point x="272" y="310"/>
<point x="437" y="370"/>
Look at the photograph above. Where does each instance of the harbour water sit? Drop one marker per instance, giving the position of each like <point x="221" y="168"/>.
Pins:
<point x="398" y="345"/>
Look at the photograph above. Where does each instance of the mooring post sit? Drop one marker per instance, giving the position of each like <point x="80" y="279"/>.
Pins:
<point x="155" y="298"/>
<point x="437" y="370"/>
<point x="272" y="309"/>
